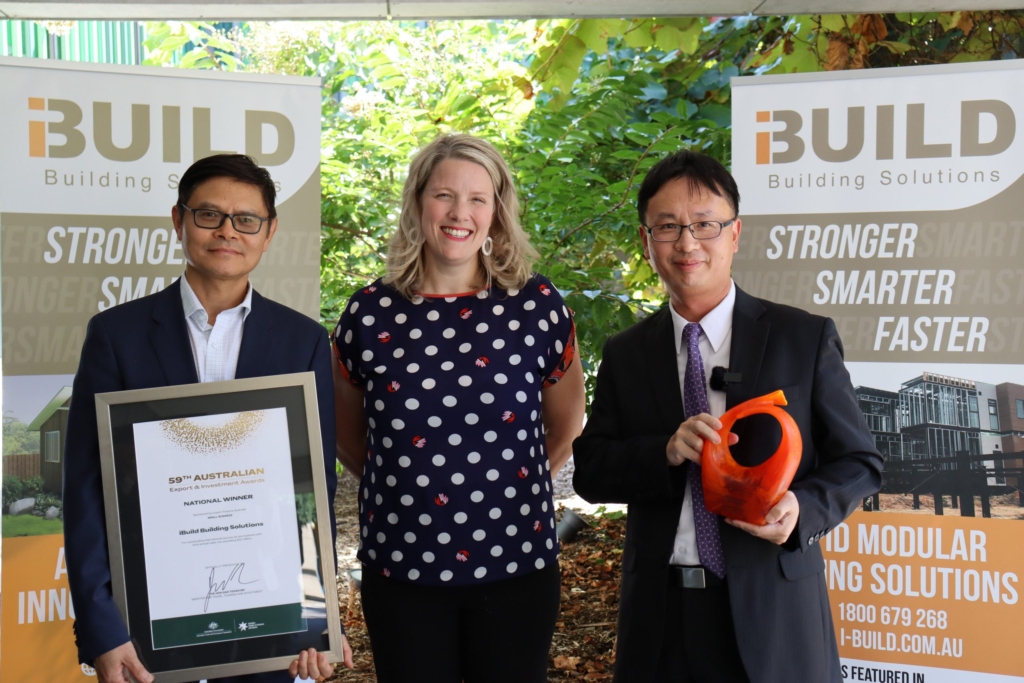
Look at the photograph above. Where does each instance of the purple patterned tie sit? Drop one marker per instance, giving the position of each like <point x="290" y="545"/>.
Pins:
<point x="695" y="401"/>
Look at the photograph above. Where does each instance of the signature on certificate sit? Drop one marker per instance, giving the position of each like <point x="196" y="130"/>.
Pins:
<point x="220" y="584"/>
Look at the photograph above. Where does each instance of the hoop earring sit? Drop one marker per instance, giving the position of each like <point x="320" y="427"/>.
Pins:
<point x="488" y="246"/>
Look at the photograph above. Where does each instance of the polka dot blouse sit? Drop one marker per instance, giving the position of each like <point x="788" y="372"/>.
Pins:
<point x="456" y="488"/>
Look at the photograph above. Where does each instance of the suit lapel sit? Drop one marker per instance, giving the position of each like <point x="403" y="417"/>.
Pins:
<point x="749" y="338"/>
<point x="257" y="348"/>
<point x="169" y="338"/>
<point x="663" y="370"/>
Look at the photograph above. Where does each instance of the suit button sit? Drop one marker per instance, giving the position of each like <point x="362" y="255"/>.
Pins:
<point x="810" y="540"/>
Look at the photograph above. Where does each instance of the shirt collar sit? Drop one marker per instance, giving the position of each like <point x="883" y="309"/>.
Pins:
<point x="716" y="324"/>
<point x="194" y="308"/>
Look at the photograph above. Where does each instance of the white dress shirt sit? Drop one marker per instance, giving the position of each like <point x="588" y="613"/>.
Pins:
<point x="715" y="343"/>
<point x="214" y="347"/>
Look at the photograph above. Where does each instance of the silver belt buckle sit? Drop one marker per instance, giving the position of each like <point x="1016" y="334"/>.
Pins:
<point x="693" y="577"/>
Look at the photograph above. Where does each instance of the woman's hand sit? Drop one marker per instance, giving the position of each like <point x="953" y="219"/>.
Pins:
<point x="313" y="664"/>
<point x="563" y="406"/>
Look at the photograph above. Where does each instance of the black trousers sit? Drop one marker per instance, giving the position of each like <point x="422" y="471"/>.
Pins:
<point x="267" y="677"/>
<point x="699" y="645"/>
<point x="497" y="632"/>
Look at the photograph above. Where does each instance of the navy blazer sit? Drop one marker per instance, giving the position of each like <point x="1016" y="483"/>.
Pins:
<point x="143" y="344"/>
<point x="778" y="595"/>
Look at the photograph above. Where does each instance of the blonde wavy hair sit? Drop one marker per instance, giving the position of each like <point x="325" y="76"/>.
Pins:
<point x="510" y="263"/>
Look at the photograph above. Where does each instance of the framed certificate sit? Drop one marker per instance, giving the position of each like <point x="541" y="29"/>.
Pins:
<point x="205" y="488"/>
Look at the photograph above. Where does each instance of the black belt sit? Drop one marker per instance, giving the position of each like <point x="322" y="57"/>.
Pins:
<point x="693" y="577"/>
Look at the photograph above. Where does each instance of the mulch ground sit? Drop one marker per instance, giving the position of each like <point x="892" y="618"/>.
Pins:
<point x="584" y="642"/>
<point x="1006" y="506"/>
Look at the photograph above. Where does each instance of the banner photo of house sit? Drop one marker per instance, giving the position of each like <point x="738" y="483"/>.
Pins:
<point x="90" y="156"/>
<point x="890" y="200"/>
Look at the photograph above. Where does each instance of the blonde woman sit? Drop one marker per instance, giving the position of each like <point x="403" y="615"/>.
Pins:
<point x="458" y="399"/>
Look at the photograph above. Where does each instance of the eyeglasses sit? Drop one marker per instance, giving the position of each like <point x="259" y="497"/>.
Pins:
<point x="701" y="230"/>
<point x="208" y="219"/>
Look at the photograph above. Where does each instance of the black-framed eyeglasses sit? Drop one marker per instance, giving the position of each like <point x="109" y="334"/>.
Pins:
<point x="701" y="230"/>
<point x="208" y="219"/>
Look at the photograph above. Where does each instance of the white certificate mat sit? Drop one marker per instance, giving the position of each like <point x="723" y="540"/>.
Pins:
<point x="221" y="536"/>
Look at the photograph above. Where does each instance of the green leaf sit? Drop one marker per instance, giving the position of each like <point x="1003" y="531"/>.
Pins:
<point x="689" y="39"/>
<point x="639" y="35"/>
<point x="602" y="311"/>
<point x="896" y="48"/>
<point x="384" y="71"/>
<point x="560" y="65"/>
<point x="802" y="60"/>
<point x="389" y="83"/>
<point x="718" y="113"/>
<point x="626" y="154"/>
<point x="667" y="38"/>
<point x="596" y="33"/>
<point x="686" y="109"/>
<point x="833" y="22"/>
<point x="949" y="20"/>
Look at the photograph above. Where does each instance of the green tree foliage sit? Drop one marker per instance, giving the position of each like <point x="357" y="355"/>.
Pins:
<point x="189" y="45"/>
<point x="12" y="489"/>
<point x="17" y="438"/>
<point x="644" y="88"/>
<point x="581" y="109"/>
<point x="389" y="88"/>
<point x="884" y="40"/>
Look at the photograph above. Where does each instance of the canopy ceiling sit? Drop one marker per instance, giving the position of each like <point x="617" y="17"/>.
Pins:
<point x="462" y="9"/>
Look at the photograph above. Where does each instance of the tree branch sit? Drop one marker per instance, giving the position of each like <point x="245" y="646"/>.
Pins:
<point x="625" y="194"/>
<point x="344" y="228"/>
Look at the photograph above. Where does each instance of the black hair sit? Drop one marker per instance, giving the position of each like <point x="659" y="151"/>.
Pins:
<point x="703" y="172"/>
<point x="238" y="167"/>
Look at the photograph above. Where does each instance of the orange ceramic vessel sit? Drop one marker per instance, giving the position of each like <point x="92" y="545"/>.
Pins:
<point x="749" y="493"/>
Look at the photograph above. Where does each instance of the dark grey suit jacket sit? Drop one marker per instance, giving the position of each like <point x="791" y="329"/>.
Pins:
<point x="777" y="594"/>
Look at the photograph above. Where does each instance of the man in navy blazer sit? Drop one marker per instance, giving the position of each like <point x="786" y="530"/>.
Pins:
<point x="208" y="325"/>
<point x="706" y="599"/>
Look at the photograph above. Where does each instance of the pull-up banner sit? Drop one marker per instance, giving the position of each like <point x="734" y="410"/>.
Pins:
<point x="892" y="200"/>
<point x="90" y="159"/>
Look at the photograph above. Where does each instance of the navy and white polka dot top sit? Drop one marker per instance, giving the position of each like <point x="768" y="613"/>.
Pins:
<point x="456" y="487"/>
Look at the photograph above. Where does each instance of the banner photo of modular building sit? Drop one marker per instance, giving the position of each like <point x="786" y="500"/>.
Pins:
<point x="90" y="158"/>
<point x="892" y="201"/>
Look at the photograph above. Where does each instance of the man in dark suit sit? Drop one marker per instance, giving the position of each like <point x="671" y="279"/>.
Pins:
<point x="705" y="599"/>
<point x="209" y="325"/>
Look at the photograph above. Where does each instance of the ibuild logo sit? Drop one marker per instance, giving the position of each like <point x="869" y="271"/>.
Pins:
<point x="787" y="145"/>
<point x="64" y="139"/>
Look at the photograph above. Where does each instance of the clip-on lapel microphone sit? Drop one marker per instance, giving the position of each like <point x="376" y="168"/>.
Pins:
<point x="721" y="377"/>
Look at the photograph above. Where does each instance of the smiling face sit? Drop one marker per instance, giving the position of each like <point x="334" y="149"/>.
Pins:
<point x="696" y="272"/>
<point x="223" y="253"/>
<point x="457" y="208"/>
